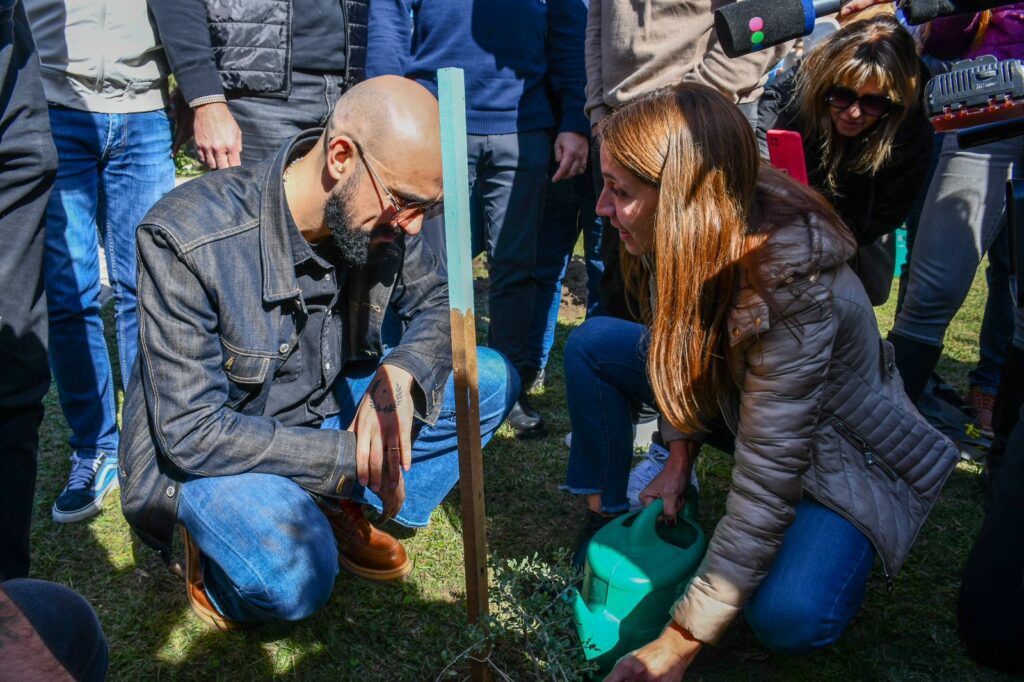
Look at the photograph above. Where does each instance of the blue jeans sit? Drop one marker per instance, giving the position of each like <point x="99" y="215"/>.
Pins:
<point x="604" y="373"/>
<point x="568" y="210"/>
<point x="269" y="552"/>
<point x="817" y="582"/>
<point x="816" y="585"/>
<point x="111" y="169"/>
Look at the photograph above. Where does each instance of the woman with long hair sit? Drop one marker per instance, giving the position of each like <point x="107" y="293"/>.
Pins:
<point x="855" y="100"/>
<point x="756" y="328"/>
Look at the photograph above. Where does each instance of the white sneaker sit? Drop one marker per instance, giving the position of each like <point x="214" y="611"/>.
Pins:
<point x="647" y="470"/>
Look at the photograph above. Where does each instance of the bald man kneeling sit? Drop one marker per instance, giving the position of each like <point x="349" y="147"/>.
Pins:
<point x="265" y="407"/>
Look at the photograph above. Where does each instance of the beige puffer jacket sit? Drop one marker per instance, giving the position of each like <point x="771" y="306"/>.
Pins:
<point x="821" y="409"/>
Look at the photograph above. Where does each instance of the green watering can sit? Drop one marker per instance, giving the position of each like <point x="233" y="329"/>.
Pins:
<point x="636" y="569"/>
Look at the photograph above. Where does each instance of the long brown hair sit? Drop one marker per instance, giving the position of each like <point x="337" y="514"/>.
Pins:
<point x="716" y="204"/>
<point x="876" y="48"/>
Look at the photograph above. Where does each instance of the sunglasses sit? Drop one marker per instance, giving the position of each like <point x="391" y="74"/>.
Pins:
<point x="870" y="105"/>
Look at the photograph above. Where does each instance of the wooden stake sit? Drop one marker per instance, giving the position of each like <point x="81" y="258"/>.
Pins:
<point x="452" y="97"/>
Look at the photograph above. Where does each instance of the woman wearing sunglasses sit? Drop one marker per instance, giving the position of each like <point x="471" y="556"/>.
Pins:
<point x="757" y="337"/>
<point x="855" y="101"/>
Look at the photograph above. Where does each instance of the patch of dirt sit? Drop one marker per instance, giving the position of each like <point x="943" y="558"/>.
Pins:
<point x="574" y="291"/>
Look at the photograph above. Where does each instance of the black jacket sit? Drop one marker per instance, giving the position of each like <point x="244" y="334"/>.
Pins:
<point x="870" y="205"/>
<point x="244" y="48"/>
<point x="220" y="310"/>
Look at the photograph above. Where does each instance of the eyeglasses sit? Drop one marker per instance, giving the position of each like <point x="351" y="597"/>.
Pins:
<point x="870" y="105"/>
<point x="404" y="211"/>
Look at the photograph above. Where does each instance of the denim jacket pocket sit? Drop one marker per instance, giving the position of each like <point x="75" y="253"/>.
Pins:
<point x="246" y="371"/>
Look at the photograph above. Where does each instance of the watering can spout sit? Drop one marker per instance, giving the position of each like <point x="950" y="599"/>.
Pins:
<point x="581" y="612"/>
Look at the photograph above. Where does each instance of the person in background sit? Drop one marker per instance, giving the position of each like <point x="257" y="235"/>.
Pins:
<point x="991" y="596"/>
<point x="253" y="74"/>
<point x="634" y="48"/>
<point x="29" y="168"/>
<point x="569" y="211"/>
<point x="855" y="100"/>
<point x="525" y="80"/>
<point x="113" y="136"/>
<point x="962" y="220"/>
<point x="832" y="463"/>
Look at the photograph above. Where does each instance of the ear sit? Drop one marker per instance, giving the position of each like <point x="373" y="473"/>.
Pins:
<point x="341" y="156"/>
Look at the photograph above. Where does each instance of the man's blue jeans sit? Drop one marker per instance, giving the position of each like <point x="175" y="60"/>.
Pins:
<point x="508" y="179"/>
<point x="111" y="169"/>
<point x="569" y="209"/>
<point x="269" y="553"/>
<point x="817" y="582"/>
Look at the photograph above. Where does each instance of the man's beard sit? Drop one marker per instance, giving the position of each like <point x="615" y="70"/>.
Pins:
<point x="353" y="244"/>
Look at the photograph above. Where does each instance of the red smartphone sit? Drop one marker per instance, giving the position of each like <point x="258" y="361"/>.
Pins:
<point x="786" y="152"/>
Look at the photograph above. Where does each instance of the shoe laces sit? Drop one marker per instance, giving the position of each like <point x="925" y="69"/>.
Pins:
<point x="83" y="471"/>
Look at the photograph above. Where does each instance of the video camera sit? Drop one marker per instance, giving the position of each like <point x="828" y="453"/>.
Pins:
<point x="982" y="101"/>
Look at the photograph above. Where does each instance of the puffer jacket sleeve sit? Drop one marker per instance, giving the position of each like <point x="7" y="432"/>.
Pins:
<point x="786" y="372"/>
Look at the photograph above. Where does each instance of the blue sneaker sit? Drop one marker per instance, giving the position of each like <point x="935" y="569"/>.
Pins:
<point x="90" y="480"/>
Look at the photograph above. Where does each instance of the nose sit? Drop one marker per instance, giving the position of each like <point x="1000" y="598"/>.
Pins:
<point x="604" y="205"/>
<point x="412" y="226"/>
<point x="853" y="111"/>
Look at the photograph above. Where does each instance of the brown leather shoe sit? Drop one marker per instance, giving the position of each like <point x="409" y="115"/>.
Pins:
<point x="196" y="590"/>
<point x="369" y="553"/>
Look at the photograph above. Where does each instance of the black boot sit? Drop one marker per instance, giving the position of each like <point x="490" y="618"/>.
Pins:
<point x="916" y="361"/>
<point x="592" y="523"/>
<point x="525" y="421"/>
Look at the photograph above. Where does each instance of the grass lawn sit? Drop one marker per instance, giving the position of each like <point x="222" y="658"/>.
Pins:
<point x="414" y="630"/>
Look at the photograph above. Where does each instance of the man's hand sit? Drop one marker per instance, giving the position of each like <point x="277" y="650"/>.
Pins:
<point x="218" y="137"/>
<point x="571" y="151"/>
<point x="183" y="118"/>
<point x="855" y="6"/>
<point x="663" y="660"/>
<point x="383" y="428"/>
<point x="671" y="484"/>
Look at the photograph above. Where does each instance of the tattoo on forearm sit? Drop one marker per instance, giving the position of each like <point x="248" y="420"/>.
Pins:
<point x="387" y="408"/>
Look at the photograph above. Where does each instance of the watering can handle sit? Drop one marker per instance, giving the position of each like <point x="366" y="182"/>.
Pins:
<point x="643" y="531"/>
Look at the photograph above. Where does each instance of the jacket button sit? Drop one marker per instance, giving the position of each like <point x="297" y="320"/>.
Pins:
<point x="757" y="322"/>
<point x="735" y="332"/>
<point x="170" y="491"/>
<point x="284" y="348"/>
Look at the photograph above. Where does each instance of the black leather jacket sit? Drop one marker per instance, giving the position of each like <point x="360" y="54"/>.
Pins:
<point x="220" y="310"/>
<point x="227" y="47"/>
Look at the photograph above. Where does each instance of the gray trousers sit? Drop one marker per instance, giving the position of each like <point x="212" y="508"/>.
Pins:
<point x="267" y="123"/>
<point x="963" y="218"/>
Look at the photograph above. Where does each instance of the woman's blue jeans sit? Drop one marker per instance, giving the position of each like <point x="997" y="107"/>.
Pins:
<point x="111" y="169"/>
<point x="817" y="582"/>
<point x="269" y="552"/>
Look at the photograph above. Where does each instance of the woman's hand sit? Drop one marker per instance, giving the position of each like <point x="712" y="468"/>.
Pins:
<point x="663" y="660"/>
<point x="671" y="484"/>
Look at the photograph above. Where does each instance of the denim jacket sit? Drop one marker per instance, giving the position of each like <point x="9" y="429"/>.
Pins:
<point x="219" y="310"/>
